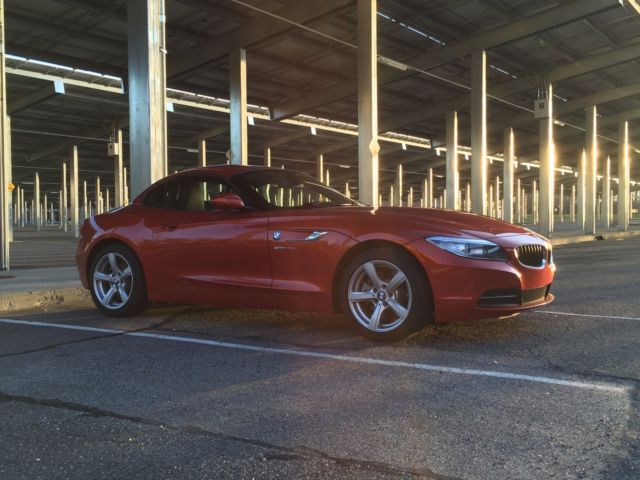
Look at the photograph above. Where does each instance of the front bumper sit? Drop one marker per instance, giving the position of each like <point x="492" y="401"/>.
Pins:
<point x="461" y="286"/>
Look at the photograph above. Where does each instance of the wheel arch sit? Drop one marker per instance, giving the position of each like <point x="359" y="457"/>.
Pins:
<point x="111" y="241"/>
<point x="366" y="245"/>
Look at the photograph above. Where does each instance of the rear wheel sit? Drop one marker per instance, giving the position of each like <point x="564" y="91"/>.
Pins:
<point x="117" y="282"/>
<point x="386" y="293"/>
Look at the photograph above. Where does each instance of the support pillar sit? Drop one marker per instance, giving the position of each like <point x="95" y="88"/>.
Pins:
<point x="238" y="154"/>
<point x="591" y="146"/>
<point x="623" y="176"/>
<point x="606" y="194"/>
<point x="479" y="132"/>
<point x="573" y="204"/>
<point x="509" y="158"/>
<point x="267" y="156"/>
<point x="368" y="146"/>
<point x="398" y="187"/>
<point x="147" y="97"/>
<point x="320" y="168"/>
<point x="490" y="208"/>
<point x="85" y="205"/>
<point x="202" y="152"/>
<point x="582" y="185"/>
<point x="327" y="178"/>
<point x="430" y="199"/>
<point x="64" y="209"/>
<point x="75" y="223"/>
<point x="391" y="196"/>
<point x="425" y="193"/>
<point x="561" y="203"/>
<point x="518" y="216"/>
<point x="497" y="199"/>
<point x="453" y="182"/>
<point x="534" y="203"/>
<point x="96" y="203"/>
<point x="36" y="197"/>
<point x="117" y="169"/>
<point x="126" y="187"/>
<point x="547" y="169"/>
<point x="5" y="154"/>
<point x="45" y="216"/>
<point x="467" y="197"/>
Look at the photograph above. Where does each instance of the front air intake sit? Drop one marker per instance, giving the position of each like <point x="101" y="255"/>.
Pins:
<point x="531" y="255"/>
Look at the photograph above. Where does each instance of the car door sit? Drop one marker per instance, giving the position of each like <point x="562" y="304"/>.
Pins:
<point x="201" y="255"/>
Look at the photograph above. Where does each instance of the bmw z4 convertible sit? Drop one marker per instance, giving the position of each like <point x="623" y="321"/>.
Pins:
<point x="257" y="237"/>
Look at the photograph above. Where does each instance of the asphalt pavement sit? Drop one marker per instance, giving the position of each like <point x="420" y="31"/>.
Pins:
<point x="193" y="392"/>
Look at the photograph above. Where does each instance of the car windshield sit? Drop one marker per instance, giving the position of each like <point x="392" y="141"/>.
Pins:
<point x="286" y="189"/>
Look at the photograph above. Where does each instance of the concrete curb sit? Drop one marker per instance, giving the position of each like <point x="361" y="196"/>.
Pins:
<point x="33" y="300"/>
<point x="590" y="238"/>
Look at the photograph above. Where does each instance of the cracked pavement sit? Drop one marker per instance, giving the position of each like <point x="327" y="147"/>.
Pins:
<point x="82" y="404"/>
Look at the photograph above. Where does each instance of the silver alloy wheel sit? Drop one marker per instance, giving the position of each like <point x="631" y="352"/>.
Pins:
<point x="112" y="280"/>
<point x="379" y="296"/>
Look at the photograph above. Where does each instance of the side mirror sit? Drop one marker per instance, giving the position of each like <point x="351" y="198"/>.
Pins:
<point x="227" y="201"/>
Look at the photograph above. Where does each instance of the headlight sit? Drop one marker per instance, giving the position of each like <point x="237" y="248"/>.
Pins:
<point x="469" y="247"/>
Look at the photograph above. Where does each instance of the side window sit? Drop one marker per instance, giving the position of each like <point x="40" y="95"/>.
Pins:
<point x="188" y="194"/>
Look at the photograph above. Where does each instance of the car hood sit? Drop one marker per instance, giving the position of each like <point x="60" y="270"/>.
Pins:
<point x="451" y="222"/>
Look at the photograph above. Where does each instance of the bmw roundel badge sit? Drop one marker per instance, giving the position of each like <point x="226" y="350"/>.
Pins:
<point x="276" y="235"/>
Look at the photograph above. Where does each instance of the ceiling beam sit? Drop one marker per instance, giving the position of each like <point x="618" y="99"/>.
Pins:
<point x="522" y="84"/>
<point x="274" y="142"/>
<point x="510" y="32"/>
<point x="52" y="89"/>
<point x="249" y="34"/>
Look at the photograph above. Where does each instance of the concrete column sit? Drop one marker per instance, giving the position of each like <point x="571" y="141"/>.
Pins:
<point x="623" y="176"/>
<point x="606" y="194"/>
<point x="582" y="185"/>
<point x="126" y="187"/>
<point x="347" y="193"/>
<point x="36" y="197"/>
<point x="397" y="201"/>
<point x="85" y="204"/>
<point x="64" y="208"/>
<point x="425" y="193"/>
<point x="368" y="146"/>
<point x="509" y="158"/>
<point x="117" y="169"/>
<point x="52" y="214"/>
<point x="320" y="168"/>
<point x="497" y="199"/>
<point x="479" y="132"/>
<point x="147" y="86"/>
<point x="490" y="209"/>
<point x="453" y="181"/>
<point x="5" y="154"/>
<point x="547" y="169"/>
<point x="60" y="209"/>
<point x="534" y="202"/>
<point x="75" y="223"/>
<point x="107" y="202"/>
<point x="202" y="154"/>
<point x="267" y="156"/>
<point x="327" y="178"/>
<point x="98" y="211"/>
<point x="238" y="154"/>
<point x="431" y="190"/>
<point x="573" y="204"/>
<point x="467" y="197"/>
<point x="45" y="216"/>
<point x="518" y="210"/>
<point x="591" y="147"/>
<point x="561" y="203"/>
<point x="391" y="196"/>
<point x="410" y="198"/>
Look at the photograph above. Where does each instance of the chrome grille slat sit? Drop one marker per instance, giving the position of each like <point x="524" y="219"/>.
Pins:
<point x="531" y="255"/>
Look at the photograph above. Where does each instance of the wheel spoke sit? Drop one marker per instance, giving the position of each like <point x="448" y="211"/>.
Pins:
<point x="374" y="319"/>
<point x="109" y="296"/>
<point x="103" y="277"/>
<point x="397" y="308"/>
<point x="123" y="294"/>
<point x="113" y="263"/>
<point x="397" y="280"/>
<point x="370" y="270"/>
<point x="125" y="273"/>
<point x="361" y="296"/>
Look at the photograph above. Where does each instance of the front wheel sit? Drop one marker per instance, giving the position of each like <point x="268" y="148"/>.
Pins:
<point x="117" y="282"/>
<point x="386" y="293"/>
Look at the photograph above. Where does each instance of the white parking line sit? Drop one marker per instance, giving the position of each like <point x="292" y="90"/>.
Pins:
<point x="613" y="388"/>
<point x="570" y="314"/>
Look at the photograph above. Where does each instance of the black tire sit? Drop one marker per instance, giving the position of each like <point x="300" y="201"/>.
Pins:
<point x="414" y="293"/>
<point x="135" y="285"/>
